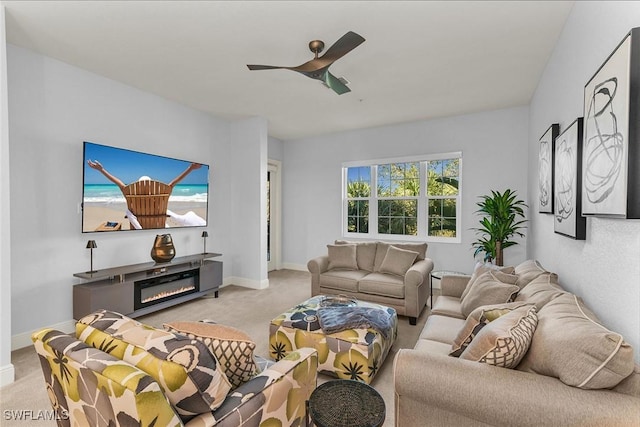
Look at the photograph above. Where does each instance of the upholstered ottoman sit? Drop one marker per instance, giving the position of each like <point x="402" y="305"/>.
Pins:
<point x="355" y="353"/>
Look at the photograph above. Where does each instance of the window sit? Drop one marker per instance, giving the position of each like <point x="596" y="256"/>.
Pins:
<point x="413" y="198"/>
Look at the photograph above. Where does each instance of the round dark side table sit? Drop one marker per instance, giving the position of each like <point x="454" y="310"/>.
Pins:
<point x="351" y="403"/>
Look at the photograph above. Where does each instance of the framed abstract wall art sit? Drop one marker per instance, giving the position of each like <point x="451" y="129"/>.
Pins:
<point x="568" y="219"/>
<point x="545" y="169"/>
<point x="611" y="156"/>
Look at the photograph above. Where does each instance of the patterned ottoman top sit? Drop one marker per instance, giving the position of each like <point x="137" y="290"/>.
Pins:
<point x="305" y="316"/>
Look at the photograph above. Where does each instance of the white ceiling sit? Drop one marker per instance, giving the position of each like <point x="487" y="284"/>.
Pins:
<point x="420" y="60"/>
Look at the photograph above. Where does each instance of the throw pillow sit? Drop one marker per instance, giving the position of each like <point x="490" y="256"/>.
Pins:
<point x="185" y="368"/>
<point x="397" y="261"/>
<point x="527" y="271"/>
<point x="342" y="257"/>
<point x="493" y="287"/>
<point x="232" y="347"/>
<point x="541" y="290"/>
<point x="477" y="320"/>
<point x="382" y="247"/>
<point x="570" y="344"/>
<point x="505" y="341"/>
<point x="365" y="253"/>
<point x="481" y="268"/>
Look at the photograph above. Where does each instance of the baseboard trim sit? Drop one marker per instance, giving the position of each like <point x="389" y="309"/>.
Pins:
<point x="7" y="374"/>
<point x="247" y="283"/>
<point x="297" y="267"/>
<point x="24" y="339"/>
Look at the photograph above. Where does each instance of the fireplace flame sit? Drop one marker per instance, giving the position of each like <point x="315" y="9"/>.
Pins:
<point x="170" y="293"/>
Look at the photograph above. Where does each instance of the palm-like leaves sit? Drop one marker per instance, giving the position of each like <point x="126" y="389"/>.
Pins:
<point x="503" y="218"/>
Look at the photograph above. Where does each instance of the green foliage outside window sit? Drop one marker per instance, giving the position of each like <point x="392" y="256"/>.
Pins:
<point x="398" y="189"/>
<point x="442" y="192"/>
<point x="398" y="192"/>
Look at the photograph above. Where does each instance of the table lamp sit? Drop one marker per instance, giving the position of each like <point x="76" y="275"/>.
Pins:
<point x="91" y="244"/>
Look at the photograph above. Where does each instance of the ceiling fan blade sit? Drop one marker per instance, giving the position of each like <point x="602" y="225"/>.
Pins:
<point x="335" y="84"/>
<point x="344" y="45"/>
<point x="264" y="67"/>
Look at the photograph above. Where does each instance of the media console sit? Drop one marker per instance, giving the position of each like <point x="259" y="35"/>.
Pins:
<point x="139" y="289"/>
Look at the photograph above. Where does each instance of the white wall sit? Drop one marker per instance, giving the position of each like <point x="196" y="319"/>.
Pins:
<point x="492" y="144"/>
<point x="53" y="108"/>
<point x="7" y="373"/>
<point x="605" y="269"/>
<point x="275" y="150"/>
<point x="248" y="244"/>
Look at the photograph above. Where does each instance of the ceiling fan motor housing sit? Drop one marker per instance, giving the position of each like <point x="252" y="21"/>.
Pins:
<point x="316" y="46"/>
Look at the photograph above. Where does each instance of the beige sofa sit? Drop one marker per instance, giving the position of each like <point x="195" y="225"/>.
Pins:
<point x="393" y="274"/>
<point x="573" y="371"/>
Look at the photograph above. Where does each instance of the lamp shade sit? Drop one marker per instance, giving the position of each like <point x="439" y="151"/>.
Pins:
<point x="205" y="234"/>
<point x="91" y="244"/>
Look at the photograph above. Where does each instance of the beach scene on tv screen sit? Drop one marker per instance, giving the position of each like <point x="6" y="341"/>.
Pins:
<point x="128" y="190"/>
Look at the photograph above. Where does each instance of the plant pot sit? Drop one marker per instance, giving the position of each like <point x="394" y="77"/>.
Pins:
<point x="163" y="249"/>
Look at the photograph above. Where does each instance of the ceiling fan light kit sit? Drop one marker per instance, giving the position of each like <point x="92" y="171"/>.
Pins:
<point x="318" y="68"/>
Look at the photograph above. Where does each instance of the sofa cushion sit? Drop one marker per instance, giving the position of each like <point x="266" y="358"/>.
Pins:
<point x="397" y="261"/>
<point x="232" y="347"/>
<point x="477" y="320"/>
<point x="448" y="306"/>
<point x="345" y="280"/>
<point x="342" y="257"/>
<point x="541" y="290"/>
<point x="505" y="341"/>
<point x="434" y="347"/>
<point x="493" y="287"/>
<point x="481" y="268"/>
<point x="571" y="344"/>
<point x="381" y="251"/>
<point x="527" y="271"/>
<point x="365" y="253"/>
<point x="185" y="368"/>
<point x="382" y="284"/>
<point x="441" y="328"/>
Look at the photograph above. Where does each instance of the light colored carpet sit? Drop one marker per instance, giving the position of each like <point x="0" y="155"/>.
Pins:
<point x="246" y="309"/>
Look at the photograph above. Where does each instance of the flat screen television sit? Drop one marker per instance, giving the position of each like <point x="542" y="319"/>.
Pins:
<point x="130" y="190"/>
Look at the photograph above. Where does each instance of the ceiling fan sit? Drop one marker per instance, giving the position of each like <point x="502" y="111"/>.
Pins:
<point x="318" y="68"/>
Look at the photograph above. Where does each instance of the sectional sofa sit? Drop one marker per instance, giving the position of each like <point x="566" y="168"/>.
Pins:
<point x="395" y="274"/>
<point x="518" y="350"/>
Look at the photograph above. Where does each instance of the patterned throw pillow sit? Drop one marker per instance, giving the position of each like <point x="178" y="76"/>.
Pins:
<point x="232" y="347"/>
<point x="477" y="320"/>
<point x="505" y="341"/>
<point x="185" y="368"/>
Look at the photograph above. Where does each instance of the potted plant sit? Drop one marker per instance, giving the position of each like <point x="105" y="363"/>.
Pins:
<point x="503" y="218"/>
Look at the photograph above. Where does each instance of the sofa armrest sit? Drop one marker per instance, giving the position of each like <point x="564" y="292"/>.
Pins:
<point x="452" y="391"/>
<point x="317" y="266"/>
<point x="279" y="393"/>
<point x="453" y="285"/>
<point x="418" y="272"/>
<point x="120" y="391"/>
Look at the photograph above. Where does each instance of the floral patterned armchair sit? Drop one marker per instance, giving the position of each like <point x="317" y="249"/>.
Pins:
<point x="89" y="386"/>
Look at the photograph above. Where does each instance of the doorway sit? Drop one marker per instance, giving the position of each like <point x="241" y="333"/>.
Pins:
<point x="273" y="215"/>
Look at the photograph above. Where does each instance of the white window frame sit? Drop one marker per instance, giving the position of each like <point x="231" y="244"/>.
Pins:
<point x="423" y="199"/>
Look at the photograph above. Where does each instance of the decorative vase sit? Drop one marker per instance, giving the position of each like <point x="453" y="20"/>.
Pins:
<point x="163" y="249"/>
